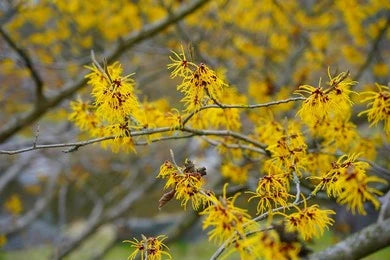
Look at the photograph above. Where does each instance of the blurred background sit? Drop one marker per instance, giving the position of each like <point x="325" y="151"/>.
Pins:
<point x="85" y="202"/>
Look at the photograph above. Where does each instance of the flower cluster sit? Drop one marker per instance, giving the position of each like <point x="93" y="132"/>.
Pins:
<point x="185" y="183"/>
<point x="326" y="103"/>
<point x="116" y="111"/>
<point x="114" y="94"/>
<point x="83" y="115"/>
<point x="225" y="218"/>
<point x="272" y="191"/>
<point x="379" y="103"/>
<point x="289" y="152"/>
<point x="268" y="131"/>
<point x="261" y="244"/>
<point x="149" y="248"/>
<point x="268" y="245"/>
<point x="310" y="221"/>
<point x="199" y="82"/>
<point x="348" y="182"/>
<point x="326" y="111"/>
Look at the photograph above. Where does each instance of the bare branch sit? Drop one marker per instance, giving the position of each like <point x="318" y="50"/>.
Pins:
<point x="62" y="200"/>
<point x="98" y="217"/>
<point x="68" y="245"/>
<point x="9" y="14"/>
<point x="374" y="48"/>
<point x="297" y="186"/>
<point x="31" y="215"/>
<point x="77" y="145"/>
<point x="369" y="240"/>
<point x="234" y="146"/>
<point x="23" y="54"/>
<point x="13" y="171"/>
<point x="121" y="207"/>
<point x="253" y="106"/>
<point x="192" y="131"/>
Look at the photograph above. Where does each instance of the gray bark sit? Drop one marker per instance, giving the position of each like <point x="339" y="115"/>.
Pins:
<point x="365" y="242"/>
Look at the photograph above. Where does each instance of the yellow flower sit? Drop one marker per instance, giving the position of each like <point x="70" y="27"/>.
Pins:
<point x="243" y="246"/>
<point x="14" y="205"/>
<point x="348" y="182"/>
<point x="267" y="245"/>
<point x="356" y="192"/>
<point x="187" y="183"/>
<point x="180" y="64"/>
<point x="340" y="89"/>
<point x="199" y="84"/>
<point x="379" y="103"/>
<point x="259" y="244"/>
<point x="318" y="163"/>
<point x="235" y="173"/>
<point x="317" y="104"/>
<point x="83" y="116"/>
<point x="268" y="130"/>
<point x="224" y="217"/>
<point x="272" y="190"/>
<point x="167" y="169"/>
<point x="114" y="94"/>
<point x="309" y="222"/>
<point x="367" y="148"/>
<point x="151" y="248"/>
<point x="338" y="133"/>
<point x="380" y="69"/>
<point x="188" y="187"/>
<point x="3" y="240"/>
<point x="261" y="90"/>
<point x="289" y="152"/>
<point x="269" y="200"/>
<point x="122" y="141"/>
<point x="228" y="118"/>
<point x="203" y="84"/>
<point x="173" y="119"/>
<point x="326" y="103"/>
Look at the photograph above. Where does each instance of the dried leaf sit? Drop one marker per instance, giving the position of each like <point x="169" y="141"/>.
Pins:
<point x="165" y="198"/>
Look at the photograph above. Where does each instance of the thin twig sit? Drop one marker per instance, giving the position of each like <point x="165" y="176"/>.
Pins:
<point x="298" y="187"/>
<point x="234" y="146"/>
<point x="192" y="131"/>
<point x="36" y="136"/>
<point x="373" y="49"/>
<point x="253" y="106"/>
<point x="265" y="215"/>
<point x="174" y="161"/>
